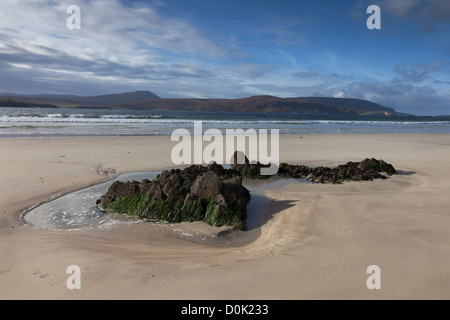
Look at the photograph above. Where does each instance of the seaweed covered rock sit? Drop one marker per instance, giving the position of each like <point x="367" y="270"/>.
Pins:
<point x="374" y="165"/>
<point x="241" y="165"/>
<point x="216" y="195"/>
<point x="367" y="169"/>
<point x="196" y="193"/>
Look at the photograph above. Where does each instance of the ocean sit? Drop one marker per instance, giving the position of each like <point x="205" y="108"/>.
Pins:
<point x="70" y="122"/>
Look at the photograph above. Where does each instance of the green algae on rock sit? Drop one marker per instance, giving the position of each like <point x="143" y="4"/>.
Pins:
<point x="196" y="193"/>
<point x="215" y="195"/>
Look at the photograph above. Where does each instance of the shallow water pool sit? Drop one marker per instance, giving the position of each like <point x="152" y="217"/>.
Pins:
<point x="78" y="210"/>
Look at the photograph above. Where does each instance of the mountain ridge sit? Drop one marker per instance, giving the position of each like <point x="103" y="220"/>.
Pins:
<point x="70" y="100"/>
<point x="146" y="100"/>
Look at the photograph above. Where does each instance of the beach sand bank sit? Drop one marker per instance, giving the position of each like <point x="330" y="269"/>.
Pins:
<point x="317" y="244"/>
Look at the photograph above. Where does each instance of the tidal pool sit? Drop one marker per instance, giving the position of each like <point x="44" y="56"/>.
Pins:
<point x="77" y="210"/>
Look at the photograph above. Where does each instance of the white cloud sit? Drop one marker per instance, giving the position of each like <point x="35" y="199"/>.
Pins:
<point x="407" y="98"/>
<point x="114" y="41"/>
<point x="340" y="94"/>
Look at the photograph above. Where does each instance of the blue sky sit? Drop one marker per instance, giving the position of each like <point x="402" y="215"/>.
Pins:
<point x="231" y="49"/>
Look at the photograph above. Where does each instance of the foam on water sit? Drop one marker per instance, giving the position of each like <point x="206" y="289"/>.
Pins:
<point x="77" y="210"/>
<point x="63" y="122"/>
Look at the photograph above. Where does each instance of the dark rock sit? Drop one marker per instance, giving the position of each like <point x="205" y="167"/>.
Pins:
<point x="215" y="195"/>
<point x="299" y="172"/>
<point x="243" y="167"/>
<point x="207" y="184"/>
<point x="196" y="193"/>
<point x="376" y="166"/>
<point x="235" y="180"/>
<point x="217" y="168"/>
<point x="368" y="169"/>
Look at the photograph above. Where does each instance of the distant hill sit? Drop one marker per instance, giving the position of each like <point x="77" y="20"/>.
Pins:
<point x="16" y="104"/>
<point x="67" y="100"/>
<point x="356" y="104"/>
<point x="266" y="104"/>
<point x="146" y="100"/>
<point x="121" y="98"/>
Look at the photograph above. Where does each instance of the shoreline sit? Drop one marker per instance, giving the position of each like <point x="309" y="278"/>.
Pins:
<point x="162" y="135"/>
<point x="317" y="243"/>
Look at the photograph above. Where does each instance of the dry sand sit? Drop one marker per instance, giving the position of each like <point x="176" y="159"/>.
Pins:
<point x="317" y="245"/>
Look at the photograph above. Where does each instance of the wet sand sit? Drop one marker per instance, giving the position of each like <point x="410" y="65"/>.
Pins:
<point x="317" y="242"/>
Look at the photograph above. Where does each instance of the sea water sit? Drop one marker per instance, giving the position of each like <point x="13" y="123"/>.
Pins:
<point x="70" y="122"/>
<point x="77" y="210"/>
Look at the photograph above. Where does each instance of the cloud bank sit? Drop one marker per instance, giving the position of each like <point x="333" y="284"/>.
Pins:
<point x="128" y="46"/>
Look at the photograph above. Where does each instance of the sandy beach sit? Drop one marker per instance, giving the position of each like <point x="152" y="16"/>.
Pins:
<point x="317" y="245"/>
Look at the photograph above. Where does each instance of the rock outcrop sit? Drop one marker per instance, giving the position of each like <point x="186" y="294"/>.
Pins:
<point x="216" y="195"/>
<point x="368" y="169"/>
<point x="196" y="193"/>
<point x="240" y="165"/>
